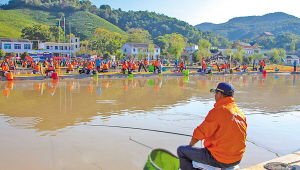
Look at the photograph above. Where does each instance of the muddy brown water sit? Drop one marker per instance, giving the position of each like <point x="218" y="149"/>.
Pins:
<point x="47" y="124"/>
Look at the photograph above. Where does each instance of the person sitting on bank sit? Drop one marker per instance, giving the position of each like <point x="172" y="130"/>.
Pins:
<point x="245" y="68"/>
<point x="70" y="67"/>
<point x="182" y="66"/>
<point x="5" y="67"/>
<point x="36" y="68"/>
<point x="50" y="69"/>
<point x="124" y="67"/>
<point x="223" y="132"/>
<point x="105" y="68"/>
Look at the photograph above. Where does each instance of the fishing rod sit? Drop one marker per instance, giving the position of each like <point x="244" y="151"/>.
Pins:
<point x="173" y="133"/>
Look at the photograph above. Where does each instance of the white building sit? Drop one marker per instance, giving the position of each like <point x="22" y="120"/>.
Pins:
<point x="134" y="49"/>
<point x="61" y="49"/>
<point x="290" y="59"/>
<point x="191" y="49"/>
<point x="12" y="45"/>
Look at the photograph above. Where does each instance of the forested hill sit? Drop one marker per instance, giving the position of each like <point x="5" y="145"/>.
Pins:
<point x="156" y="24"/>
<point x="252" y="26"/>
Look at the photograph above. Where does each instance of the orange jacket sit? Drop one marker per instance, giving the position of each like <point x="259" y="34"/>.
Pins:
<point x="224" y="131"/>
<point x="124" y="66"/>
<point x="70" y="67"/>
<point x="105" y="66"/>
<point x="5" y="68"/>
<point x="37" y="67"/>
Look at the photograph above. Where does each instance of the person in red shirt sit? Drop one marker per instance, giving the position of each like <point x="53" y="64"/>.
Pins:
<point x="223" y="132"/>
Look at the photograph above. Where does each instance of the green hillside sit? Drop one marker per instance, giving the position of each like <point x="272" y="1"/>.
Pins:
<point x="83" y="23"/>
<point x="252" y="26"/>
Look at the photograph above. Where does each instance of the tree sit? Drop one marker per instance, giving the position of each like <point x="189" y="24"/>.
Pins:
<point x="204" y="49"/>
<point x="239" y="54"/>
<point x="138" y="35"/>
<point x="2" y="54"/>
<point x="163" y="43"/>
<point x="106" y="42"/>
<point x="57" y="34"/>
<point x="277" y="55"/>
<point x="37" y="32"/>
<point x="204" y="44"/>
<point x="176" y="44"/>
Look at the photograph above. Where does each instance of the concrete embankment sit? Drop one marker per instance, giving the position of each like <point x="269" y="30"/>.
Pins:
<point x="292" y="161"/>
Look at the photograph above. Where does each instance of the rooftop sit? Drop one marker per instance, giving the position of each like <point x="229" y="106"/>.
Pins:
<point x="141" y="45"/>
<point x="14" y="40"/>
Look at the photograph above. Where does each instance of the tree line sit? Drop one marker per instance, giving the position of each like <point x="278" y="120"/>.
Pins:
<point x="155" y="24"/>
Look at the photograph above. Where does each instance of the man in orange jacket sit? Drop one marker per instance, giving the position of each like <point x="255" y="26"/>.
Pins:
<point x="223" y="132"/>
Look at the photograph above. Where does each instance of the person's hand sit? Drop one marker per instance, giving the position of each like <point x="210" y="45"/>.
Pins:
<point x="193" y="141"/>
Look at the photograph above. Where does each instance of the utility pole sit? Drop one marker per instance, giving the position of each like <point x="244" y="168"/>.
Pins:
<point x="70" y="38"/>
<point x="64" y="29"/>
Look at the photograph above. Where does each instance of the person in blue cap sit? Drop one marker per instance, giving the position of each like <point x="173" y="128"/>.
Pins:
<point x="223" y="132"/>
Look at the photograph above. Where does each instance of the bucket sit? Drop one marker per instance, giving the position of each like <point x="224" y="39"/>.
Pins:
<point x="10" y="76"/>
<point x="264" y="72"/>
<point x="54" y="76"/>
<point x="185" y="72"/>
<point x="161" y="159"/>
<point x="150" y="68"/>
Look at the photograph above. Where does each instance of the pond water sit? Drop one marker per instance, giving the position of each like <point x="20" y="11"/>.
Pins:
<point x="54" y="124"/>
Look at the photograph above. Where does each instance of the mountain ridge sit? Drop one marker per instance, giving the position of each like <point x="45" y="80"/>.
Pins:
<point x="249" y="27"/>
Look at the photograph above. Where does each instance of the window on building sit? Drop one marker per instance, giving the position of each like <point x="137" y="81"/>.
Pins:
<point x="56" y="47"/>
<point x="47" y="47"/>
<point x="61" y="47"/>
<point x="134" y="50"/>
<point x="76" y="40"/>
<point x="76" y="45"/>
<point x="7" y="46"/>
<point x="157" y="51"/>
<point x="17" y="46"/>
<point x="27" y="46"/>
<point x="125" y="50"/>
<point x="66" y="47"/>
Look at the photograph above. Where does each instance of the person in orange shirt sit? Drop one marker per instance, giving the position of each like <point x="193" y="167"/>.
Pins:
<point x="223" y="132"/>
<point x="204" y="66"/>
<point x="124" y="67"/>
<point x="70" y="67"/>
<point x="157" y="65"/>
<point x="36" y="68"/>
<point x="105" y="68"/>
<point x="5" y="67"/>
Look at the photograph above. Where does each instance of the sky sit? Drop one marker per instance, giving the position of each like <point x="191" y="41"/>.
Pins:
<point x="199" y="11"/>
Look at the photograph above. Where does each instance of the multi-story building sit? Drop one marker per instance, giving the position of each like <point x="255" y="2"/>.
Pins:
<point x="12" y="45"/>
<point x="61" y="49"/>
<point x="19" y="46"/>
<point x="135" y="49"/>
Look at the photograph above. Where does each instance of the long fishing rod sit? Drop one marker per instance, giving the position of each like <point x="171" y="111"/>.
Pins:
<point x="173" y="133"/>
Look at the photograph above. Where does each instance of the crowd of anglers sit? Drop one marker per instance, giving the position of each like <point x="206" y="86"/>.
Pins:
<point x="99" y="65"/>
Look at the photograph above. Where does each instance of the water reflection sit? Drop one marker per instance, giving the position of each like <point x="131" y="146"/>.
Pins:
<point x="58" y="104"/>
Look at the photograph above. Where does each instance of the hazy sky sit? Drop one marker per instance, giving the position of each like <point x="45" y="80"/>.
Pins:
<point x="199" y="11"/>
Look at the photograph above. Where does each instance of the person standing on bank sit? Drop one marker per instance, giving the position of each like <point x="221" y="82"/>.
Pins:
<point x="223" y="132"/>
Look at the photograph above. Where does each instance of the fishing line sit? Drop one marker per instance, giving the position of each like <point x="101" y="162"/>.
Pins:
<point x="173" y="133"/>
<point x="140" y="143"/>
